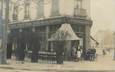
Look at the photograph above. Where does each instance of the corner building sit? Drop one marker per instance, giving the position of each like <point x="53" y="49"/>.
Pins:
<point x="33" y="35"/>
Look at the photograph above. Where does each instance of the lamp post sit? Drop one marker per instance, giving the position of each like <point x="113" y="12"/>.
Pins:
<point x="4" y="24"/>
<point x="114" y="45"/>
<point x="2" y="33"/>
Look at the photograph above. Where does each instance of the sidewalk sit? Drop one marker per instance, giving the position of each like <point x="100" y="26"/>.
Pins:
<point x="101" y="64"/>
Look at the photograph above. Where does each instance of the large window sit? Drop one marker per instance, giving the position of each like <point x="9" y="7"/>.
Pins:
<point x="78" y="4"/>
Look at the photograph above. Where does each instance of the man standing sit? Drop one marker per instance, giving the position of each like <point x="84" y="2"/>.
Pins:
<point x="35" y="45"/>
<point x="59" y="48"/>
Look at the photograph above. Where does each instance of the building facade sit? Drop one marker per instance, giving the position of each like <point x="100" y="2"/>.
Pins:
<point x="33" y="35"/>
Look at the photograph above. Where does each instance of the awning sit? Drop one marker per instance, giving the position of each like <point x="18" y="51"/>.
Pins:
<point x="65" y="32"/>
<point x="96" y="42"/>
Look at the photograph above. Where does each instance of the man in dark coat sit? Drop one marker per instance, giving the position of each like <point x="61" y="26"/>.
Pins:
<point x="35" y="46"/>
<point x="20" y="50"/>
<point x="59" y="48"/>
<point x="9" y="50"/>
<point x="9" y="46"/>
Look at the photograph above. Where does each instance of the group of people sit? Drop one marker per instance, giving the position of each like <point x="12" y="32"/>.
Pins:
<point x="90" y="54"/>
<point x="21" y="45"/>
<point x="78" y="55"/>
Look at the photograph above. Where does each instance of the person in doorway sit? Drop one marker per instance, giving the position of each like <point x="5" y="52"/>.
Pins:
<point x="79" y="52"/>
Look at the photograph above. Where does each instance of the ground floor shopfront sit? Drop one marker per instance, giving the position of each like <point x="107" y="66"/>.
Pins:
<point x="32" y="36"/>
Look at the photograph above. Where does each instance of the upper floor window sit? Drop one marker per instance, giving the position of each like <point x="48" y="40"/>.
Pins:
<point x="78" y="4"/>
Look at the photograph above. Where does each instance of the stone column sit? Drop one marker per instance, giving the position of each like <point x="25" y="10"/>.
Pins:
<point x="114" y="45"/>
<point x="87" y="37"/>
<point x="55" y="8"/>
<point x="40" y="9"/>
<point x="47" y="36"/>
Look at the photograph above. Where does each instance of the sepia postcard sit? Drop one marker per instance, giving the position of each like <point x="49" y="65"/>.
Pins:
<point x="57" y="36"/>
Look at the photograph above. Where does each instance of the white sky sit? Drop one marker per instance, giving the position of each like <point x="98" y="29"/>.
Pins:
<point x="103" y="15"/>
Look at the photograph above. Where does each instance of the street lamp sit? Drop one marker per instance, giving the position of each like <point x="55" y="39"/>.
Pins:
<point x="4" y="24"/>
<point x="1" y="28"/>
<point x="114" y="45"/>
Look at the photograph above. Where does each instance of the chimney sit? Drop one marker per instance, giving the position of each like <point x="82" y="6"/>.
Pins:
<point x="55" y="8"/>
<point x="26" y="10"/>
<point x="40" y="9"/>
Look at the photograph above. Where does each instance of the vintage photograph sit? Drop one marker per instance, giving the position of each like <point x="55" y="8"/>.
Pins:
<point x="57" y="36"/>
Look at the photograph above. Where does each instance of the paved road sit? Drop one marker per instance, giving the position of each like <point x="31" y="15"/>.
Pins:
<point x="102" y="64"/>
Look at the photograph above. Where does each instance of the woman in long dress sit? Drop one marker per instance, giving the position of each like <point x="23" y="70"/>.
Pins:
<point x="79" y="52"/>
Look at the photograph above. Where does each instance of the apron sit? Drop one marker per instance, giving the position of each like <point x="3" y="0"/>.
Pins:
<point x="78" y="54"/>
